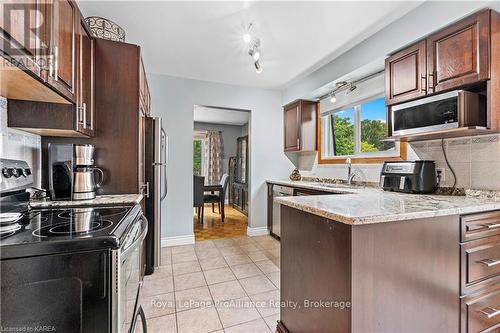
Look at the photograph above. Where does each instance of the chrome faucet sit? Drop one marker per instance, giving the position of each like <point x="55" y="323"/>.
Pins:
<point x="350" y="174"/>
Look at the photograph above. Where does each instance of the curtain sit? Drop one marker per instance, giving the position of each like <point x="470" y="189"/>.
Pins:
<point x="214" y="150"/>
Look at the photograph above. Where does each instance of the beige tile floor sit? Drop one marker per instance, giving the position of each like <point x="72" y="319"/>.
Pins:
<point x="224" y="285"/>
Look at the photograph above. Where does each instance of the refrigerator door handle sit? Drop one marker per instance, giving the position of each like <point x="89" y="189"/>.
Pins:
<point x="164" y="164"/>
<point x="165" y="182"/>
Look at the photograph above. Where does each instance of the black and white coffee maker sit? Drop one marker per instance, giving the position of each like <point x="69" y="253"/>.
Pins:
<point x="72" y="174"/>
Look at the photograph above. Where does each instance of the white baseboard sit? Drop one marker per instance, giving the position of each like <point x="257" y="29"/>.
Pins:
<point x="177" y="240"/>
<point x="258" y="231"/>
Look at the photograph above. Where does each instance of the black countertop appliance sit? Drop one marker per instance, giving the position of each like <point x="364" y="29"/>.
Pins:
<point x="409" y="176"/>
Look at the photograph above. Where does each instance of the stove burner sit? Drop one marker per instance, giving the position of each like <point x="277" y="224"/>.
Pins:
<point x="68" y="214"/>
<point x="68" y="228"/>
<point x="72" y="228"/>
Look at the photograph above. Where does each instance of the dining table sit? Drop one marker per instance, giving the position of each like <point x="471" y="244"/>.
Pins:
<point x="216" y="188"/>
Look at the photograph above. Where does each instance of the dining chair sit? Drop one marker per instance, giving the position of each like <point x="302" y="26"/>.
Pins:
<point x="219" y="198"/>
<point x="198" y="187"/>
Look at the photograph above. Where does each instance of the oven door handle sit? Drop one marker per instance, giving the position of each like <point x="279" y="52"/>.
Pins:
<point x="129" y="249"/>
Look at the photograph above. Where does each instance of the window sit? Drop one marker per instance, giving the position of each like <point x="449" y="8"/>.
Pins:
<point x="358" y="130"/>
<point x="197" y="157"/>
<point x="198" y="152"/>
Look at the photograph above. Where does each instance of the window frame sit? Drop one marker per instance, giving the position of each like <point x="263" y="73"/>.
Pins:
<point x="356" y="158"/>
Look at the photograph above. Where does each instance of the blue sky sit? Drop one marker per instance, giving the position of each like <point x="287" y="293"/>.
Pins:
<point x="374" y="110"/>
<point x="371" y="110"/>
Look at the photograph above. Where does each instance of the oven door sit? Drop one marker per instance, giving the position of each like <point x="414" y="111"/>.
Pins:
<point x="429" y="114"/>
<point x="130" y="277"/>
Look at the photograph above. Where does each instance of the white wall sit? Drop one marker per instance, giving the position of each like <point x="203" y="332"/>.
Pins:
<point x="173" y="100"/>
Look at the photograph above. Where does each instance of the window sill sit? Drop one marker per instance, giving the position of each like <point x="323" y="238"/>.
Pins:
<point x="365" y="159"/>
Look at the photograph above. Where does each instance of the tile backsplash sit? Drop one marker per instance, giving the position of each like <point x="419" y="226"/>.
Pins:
<point x="475" y="161"/>
<point x="20" y="145"/>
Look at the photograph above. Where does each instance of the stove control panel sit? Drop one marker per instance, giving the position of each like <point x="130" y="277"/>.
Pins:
<point x="16" y="175"/>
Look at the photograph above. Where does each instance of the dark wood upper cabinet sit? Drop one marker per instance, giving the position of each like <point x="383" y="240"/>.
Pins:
<point x="76" y="119"/>
<point x="459" y="55"/>
<point x="292" y="124"/>
<point x="63" y="16"/>
<point x="452" y="58"/>
<point x="406" y="74"/>
<point x="299" y="120"/>
<point x="22" y="33"/>
<point x="85" y="74"/>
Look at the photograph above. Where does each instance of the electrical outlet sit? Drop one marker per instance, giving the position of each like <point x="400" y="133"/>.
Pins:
<point x="441" y="174"/>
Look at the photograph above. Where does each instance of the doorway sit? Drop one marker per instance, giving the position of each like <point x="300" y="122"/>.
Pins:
<point x="221" y="161"/>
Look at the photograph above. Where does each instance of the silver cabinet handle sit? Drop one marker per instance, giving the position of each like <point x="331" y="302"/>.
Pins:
<point x="80" y="114"/>
<point x="84" y="115"/>
<point x="489" y="262"/>
<point x="491" y="225"/>
<point x="489" y="312"/>
<point x="146" y="186"/>
<point x="91" y="116"/>
<point x="51" y="65"/>
<point x="56" y="63"/>
<point x="423" y="84"/>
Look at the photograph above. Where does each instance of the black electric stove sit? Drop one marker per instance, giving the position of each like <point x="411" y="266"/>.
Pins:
<point x="67" y="270"/>
<point x="47" y="231"/>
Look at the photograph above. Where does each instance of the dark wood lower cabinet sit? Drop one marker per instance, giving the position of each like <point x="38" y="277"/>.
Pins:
<point x="386" y="277"/>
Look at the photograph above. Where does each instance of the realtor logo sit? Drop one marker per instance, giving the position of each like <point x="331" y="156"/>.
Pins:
<point x="22" y="26"/>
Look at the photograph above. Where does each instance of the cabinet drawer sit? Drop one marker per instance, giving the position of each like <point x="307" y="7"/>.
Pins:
<point x="481" y="313"/>
<point x="480" y="260"/>
<point x="477" y="226"/>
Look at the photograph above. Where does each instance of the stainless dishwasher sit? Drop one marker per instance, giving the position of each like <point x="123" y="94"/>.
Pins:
<point x="279" y="191"/>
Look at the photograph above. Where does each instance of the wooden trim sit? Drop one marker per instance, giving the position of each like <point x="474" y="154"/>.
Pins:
<point x="493" y="85"/>
<point x="403" y="151"/>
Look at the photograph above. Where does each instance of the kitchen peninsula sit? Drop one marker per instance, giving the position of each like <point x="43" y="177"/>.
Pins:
<point x="397" y="259"/>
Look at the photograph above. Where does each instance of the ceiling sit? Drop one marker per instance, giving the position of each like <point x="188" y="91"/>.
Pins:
<point x="203" y="40"/>
<point x="213" y="115"/>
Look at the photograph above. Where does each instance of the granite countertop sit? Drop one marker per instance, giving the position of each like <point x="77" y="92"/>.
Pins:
<point x="364" y="205"/>
<point x="100" y="200"/>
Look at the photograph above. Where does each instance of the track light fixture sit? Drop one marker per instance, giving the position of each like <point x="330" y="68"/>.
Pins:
<point x="247" y="37"/>
<point x="253" y="49"/>
<point x="258" y="67"/>
<point x="347" y="87"/>
<point x="333" y="98"/>
<point x="340" y="86"/>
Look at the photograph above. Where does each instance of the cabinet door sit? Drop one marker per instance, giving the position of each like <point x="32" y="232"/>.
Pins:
<point x="22" y="32"/>
<point x="292" y="127"/>
<point x="85" y="74"/>
<point x="62" y="72"/>
<point x="405" y="74"/>
<point x="459" y="54"/>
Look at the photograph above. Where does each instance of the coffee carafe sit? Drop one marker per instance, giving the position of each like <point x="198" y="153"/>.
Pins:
<point x="85" y="182"/>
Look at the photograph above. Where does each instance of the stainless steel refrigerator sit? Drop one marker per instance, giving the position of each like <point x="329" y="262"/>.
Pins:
<point x="155" y="169"/>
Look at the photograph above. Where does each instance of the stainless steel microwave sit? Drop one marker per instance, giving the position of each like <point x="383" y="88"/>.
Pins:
<point x="453" y="109"/>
